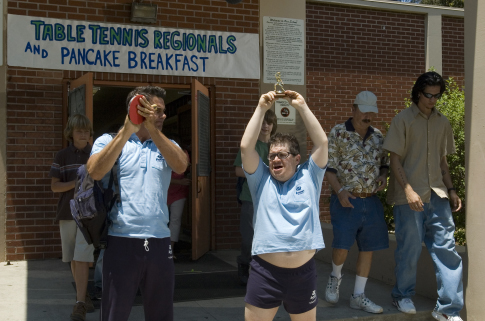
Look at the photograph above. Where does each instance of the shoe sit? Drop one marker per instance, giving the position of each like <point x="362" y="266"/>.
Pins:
<point x="361" y="302"/>
<point x="88" y="304"/>
<point x="332" y="290"/>
<point x="443" y="317"/>
<point x="243" y="273"/>
<point x="78" y="312"/>
<point x="98" y="293"/>
<point x="405" y="305"/>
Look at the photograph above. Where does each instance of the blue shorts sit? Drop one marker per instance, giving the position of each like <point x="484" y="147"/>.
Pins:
<point x="364" y="223"/>
<point x="270" y="285"/>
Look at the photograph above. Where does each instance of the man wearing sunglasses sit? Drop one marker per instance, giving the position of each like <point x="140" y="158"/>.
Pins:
<point x="287" y="230"/>
<point x="419" y="139"/>
<point x="357" y="169"/>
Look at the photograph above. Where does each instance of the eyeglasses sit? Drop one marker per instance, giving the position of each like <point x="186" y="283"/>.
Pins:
<point x="429" y="96"/>
<point x="281" y="155"/>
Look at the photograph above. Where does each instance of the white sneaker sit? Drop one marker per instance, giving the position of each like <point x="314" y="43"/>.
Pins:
<point x="332" y="290"/>
<point x="405" y="306"/>
<point x="361" y="302"/>
<point x="443" y="317"/>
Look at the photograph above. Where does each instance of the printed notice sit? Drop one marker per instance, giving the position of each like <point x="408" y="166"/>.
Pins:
<point x="284" y="50"/>
<point x="285" y="113"/>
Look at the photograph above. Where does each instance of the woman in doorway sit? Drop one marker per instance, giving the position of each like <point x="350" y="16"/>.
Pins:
<point x="178" y="192"/>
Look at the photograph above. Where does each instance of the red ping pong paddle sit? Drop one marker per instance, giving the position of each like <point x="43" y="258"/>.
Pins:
<point x="135" y="118"/>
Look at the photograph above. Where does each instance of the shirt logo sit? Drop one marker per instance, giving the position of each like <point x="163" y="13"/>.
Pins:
<point x="313" y="298"/>
<point x="299" y="191"/>
<point x="159" y="157"/>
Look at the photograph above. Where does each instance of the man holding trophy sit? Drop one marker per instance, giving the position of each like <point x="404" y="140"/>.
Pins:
<point x="287" y="230"/>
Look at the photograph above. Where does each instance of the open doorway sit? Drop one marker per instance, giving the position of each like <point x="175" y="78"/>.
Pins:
<point x="109" y="112"/>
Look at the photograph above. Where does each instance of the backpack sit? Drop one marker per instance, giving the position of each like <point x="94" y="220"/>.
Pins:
<point x="91" y="205"/>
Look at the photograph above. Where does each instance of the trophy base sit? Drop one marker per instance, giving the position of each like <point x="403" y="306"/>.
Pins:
<point x="280" y="95"/>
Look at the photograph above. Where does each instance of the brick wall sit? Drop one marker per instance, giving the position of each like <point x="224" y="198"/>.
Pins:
<point x="34" y="117"/>
<point x="350" y="50"/>
<point x="453" y="55"/>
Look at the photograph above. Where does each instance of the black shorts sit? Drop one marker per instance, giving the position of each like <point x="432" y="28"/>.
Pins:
<point x="269" y="286"/>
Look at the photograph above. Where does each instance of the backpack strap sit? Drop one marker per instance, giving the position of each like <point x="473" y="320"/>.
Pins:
<point x="113" y="179"/>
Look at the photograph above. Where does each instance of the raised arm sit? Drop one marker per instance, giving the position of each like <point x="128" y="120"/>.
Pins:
<point x="414" y="200"/>
<point x="100" y="163"/>
<point x="249" y="155"/>
<point x="174" y="155"/>
<point x="315" y="130"/>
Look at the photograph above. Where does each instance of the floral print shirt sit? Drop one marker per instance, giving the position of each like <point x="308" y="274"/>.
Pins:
<point x="355" y="160"/>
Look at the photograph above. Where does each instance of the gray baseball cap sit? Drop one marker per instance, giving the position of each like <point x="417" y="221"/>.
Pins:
<point x="366" y="101"/>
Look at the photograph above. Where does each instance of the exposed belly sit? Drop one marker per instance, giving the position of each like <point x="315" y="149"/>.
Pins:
<point x="288" y="260"/>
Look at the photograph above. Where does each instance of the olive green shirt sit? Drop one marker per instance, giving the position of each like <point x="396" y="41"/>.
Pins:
<point x="262" y="149"/>
<point x="421" y="142"/>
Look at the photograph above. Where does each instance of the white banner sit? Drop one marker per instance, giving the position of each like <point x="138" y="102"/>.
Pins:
<point x="89" y="46"/>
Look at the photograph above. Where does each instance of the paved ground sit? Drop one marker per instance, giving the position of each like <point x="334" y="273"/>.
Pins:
<point x="42" y="291"/>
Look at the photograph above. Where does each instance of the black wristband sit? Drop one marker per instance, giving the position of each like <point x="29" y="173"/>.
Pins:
<point x="451" y="189"/>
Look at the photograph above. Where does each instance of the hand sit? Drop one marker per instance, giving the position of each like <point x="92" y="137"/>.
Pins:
<point x="414" y="201"/>
<point x="455" y="201"/>
<point x="129" y="126"/>
<point x="146" y="110"/>
<point x="185" y="181"/>
<point x="344" y="196"/>
<point x="381" y="183"/>
<point x="266" y="100"/>
<point x="295" y="99"/>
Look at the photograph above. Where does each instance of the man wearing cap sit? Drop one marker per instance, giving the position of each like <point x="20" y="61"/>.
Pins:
<point x="357" y="169"/>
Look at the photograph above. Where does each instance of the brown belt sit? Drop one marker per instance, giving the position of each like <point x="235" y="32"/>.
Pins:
<point x="359" y="195"/>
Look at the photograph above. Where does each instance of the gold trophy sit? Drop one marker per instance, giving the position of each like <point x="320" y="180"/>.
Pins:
<point x="280" y="92"/>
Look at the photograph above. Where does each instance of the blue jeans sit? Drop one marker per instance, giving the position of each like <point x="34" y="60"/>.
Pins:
<point x="435" y="227"/>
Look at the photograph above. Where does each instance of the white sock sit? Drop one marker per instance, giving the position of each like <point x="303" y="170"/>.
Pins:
<point x="336" y="270"/>
<point x="359" y="285"/>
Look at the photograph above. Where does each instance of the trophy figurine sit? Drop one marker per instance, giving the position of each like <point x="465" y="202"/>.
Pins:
<point x="280" y="92"/>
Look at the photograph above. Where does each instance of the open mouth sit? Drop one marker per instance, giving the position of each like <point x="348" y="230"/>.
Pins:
<point x="277" y="167"/>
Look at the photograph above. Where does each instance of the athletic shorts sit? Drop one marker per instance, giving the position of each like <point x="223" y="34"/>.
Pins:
<point x="364" y="223"/>
<point x="270" y="285"/>
<point x="74" y="246"/>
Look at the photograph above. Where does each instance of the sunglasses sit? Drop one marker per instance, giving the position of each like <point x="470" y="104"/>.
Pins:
<point x="429" y="96"/>
<point x="281" y="155"/>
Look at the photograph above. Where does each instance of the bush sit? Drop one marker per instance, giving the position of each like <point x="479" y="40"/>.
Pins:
<point x="452" y="105"/>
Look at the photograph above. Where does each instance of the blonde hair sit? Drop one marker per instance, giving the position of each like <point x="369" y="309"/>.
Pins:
<point x="77" y="121"/>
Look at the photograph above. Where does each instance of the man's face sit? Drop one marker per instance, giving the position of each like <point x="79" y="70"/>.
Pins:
<point x="362" y="120"/>
<point x="159" y="112"/>
<point x="428" y="103"/>
<point x="80" y="136"/>
<point x="282" y="169"/>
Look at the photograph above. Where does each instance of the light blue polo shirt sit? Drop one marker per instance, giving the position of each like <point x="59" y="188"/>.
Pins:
<point x="144" y="177"/>
<point x="286" y="215"/>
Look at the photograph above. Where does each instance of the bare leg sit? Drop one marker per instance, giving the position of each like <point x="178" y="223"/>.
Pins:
<point x="364" y="263"/>
<point x="339" y="256"/>
<point x="307" y="316"/>
<point x="80" y="271"/>
<point x="252" y="313"/>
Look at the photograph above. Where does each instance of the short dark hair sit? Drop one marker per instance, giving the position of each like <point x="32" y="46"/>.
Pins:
<point x="77" y="121"/>
<point x="270" y="118"/>
<point x="283" y="139"/>
<point x="429" y="78"/>
<point x="148" y="92"/>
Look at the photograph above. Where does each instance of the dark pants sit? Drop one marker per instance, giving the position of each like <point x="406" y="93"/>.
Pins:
<point x="128" y="266"/>
<point x="247" y="232"/>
